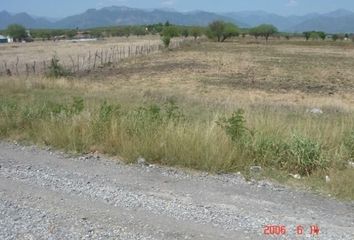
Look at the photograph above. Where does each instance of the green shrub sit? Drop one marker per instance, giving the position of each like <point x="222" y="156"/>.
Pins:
<point x="235" y="125"/>
<point x="55" y="69"/>
<point x="166" y="41"/>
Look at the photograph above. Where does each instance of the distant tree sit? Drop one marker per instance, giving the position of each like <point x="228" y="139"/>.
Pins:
<point x="322" y="35"/>
<point x="158" y="27"/>
<point x="216" y="29"/>
<point x="126" y="31"/>
<point x="307" y="35"/>
<point x="71" y="33"/>
<point x="196" y="32"/>
<point x="231" y="30"/>
<point x="335" y="37"/>
<point x="17" y="32"/>
<point x="171" y="31"/>
<point x="314" y="35"/>
<point x="254" y="32"/>
<point x="222" y="31"/>
<point x="138" y="30"/>
<point x="185" y="32"/>
<point x="168" y="33"/>
<point x="266" y="30"/>
<point x="167" y="24"/>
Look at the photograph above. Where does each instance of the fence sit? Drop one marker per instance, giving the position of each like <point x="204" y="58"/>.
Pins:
<point x="88" y="61"/>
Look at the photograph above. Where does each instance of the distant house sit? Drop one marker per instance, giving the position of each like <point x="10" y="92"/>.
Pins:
<point x="3" y="39"/>
<point x="82" y="35"/>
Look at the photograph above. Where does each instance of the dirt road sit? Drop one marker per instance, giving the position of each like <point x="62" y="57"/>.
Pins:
<point x="48" y="195"/>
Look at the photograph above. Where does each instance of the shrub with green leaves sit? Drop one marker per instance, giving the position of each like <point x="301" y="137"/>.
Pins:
<point x="235" y="125"/>
<point x="55" y="69"/>
<point x="166" y="41"/>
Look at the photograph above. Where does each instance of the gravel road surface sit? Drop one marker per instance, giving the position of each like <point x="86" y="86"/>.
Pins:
<point x="51" y="195"/>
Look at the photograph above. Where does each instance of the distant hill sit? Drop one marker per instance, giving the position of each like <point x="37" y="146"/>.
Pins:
<point x="111" y="16"/>
<point x="339" y="21"/>
<point x="254" y="18"/>
<point x="24" y="19"/>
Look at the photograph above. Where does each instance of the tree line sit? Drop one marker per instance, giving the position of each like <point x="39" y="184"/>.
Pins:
<point x="217" y="30"/>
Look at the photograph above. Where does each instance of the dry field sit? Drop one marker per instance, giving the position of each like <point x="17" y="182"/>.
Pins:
<point x="175" y="107"/>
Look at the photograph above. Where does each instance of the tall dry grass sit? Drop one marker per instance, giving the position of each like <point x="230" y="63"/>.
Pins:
<point x="180" y="132"/>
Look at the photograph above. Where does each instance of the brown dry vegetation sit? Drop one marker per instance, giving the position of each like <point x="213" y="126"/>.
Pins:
<point x="275" y="84"/>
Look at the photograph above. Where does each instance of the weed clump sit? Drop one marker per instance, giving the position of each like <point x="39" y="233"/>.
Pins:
<point x="307" y="155"/>
<point x="301" y="154"/>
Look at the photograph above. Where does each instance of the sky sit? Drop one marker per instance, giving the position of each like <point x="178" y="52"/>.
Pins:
<point x="62" y="8"/>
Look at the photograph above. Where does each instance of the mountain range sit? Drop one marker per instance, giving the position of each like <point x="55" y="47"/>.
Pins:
<point x="339" y="21"/>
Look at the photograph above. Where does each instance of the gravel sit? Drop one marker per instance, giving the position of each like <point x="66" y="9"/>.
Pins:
<point x="50" y="195"/>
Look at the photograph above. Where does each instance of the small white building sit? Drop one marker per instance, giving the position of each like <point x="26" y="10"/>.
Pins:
<point x="10" y="39"/>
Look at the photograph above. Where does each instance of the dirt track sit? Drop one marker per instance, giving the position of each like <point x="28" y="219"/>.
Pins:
<point x="48" y="195"/>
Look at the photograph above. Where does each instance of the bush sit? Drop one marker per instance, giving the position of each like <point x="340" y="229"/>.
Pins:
<point x="55" y="69"/>
<point x="235" y="125"/>
<point x="166" y="41"/>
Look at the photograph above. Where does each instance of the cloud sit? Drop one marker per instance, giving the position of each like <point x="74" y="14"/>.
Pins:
<point x="292" y="3"/>
<point x="167" y="2"/>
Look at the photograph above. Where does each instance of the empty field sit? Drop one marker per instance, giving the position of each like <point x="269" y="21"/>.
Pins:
<point x="208" y="106"/>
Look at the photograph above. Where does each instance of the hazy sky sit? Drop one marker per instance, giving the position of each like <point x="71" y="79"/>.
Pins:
<point x="59" y="8"/>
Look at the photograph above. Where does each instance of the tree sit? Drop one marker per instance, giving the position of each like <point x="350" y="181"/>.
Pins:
<point x="196" y="32"/>
<point x="322" y="35"/>
<point x="221" y="30"/>
<point x="170" y="31"/>
<point x="254" y="32"/>
<point x="167" y="33"/>
<point x="307" y="35"/>
<point x="216" y="29"/>
<point x="314" y="35"/>
<point x="335" y="37"/>
<point x="17" y="32"/>
<point x="231" y="30"/>
<point x="266" y="30"/>
<point x="185" y="32"/>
